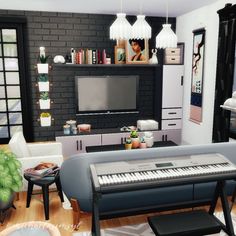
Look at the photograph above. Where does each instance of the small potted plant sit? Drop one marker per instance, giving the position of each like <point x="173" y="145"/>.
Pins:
<point x="10" y="178"/>
<point x="43" y="65"/>
<point x="134" y="138"/>
<point x="142" y="143"/>
<point x="128" y="144"/>
<point x="44" y="101"/>
<point x="45" y="119"/>
<point x="43" y="83"/>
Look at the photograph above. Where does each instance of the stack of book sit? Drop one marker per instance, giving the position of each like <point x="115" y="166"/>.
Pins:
<point x="41" y="173"/>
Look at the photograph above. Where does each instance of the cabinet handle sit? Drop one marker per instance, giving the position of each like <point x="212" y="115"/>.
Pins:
<point x="121" y="140"/>
<point x="163" y="138"/>
<point x="182" y="80"/>
<point x="77" y="145"/>
<point x="80" y="144"/>
<point x="172" y="124"/>
<point x="172" y="113"/>
<point x="166" y="137"/>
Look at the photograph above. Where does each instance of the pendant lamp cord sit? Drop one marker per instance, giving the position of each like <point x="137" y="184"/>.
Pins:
<point x="167" y="11"/>
<point x="121" y="6"/>
<point x="140" y="7"/>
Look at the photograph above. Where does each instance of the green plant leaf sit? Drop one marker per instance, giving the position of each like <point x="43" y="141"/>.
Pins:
<point x="11" y="165"/>
<point x="17" y="178"/>
<point x="15" y="187"/>
<point x="1" y="167"/>
<point x="18" y="164"/>
<point x="5" y="194"/>
<point x="6" y="181"/>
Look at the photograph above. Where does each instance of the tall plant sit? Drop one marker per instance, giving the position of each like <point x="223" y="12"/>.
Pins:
<point x="10" y="175"/>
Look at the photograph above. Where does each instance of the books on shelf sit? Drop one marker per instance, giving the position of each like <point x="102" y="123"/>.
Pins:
<point x="42" y="170"/>
<point x="90" y="56"/>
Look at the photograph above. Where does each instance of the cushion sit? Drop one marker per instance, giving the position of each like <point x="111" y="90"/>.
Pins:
<point x="18" y="145"/>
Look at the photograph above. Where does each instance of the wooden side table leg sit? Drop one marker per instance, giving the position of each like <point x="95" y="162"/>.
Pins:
<point x="17" y="196"/>
<point x="76" y="213"/>
<point x="46" y="201"/>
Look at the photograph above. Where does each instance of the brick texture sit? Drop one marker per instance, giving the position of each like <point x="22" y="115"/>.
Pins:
<point x="58" y="32"/>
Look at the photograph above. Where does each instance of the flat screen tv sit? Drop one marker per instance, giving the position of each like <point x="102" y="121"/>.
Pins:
<point x="106" y="94"/>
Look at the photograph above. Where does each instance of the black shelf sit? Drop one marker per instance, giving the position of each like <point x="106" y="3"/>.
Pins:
<point x="105" y="65"/>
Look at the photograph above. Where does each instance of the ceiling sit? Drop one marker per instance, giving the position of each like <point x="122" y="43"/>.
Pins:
<point x="130" y="7"/>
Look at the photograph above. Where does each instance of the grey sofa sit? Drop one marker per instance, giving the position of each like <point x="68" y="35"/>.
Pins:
<point x="76" y="183"/>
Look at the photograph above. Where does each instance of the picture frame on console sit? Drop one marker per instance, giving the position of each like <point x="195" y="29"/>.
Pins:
<point x="120" y="56"/>
<point x="137" y="51"/>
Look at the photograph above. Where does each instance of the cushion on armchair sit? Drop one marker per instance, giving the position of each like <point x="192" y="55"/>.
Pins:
<point x="18" y="145"/>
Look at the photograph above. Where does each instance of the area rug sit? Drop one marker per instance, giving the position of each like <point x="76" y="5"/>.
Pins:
<point x="144" y="229"/>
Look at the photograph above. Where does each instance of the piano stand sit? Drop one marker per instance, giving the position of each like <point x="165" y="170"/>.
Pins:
<point x="214" y="225"/>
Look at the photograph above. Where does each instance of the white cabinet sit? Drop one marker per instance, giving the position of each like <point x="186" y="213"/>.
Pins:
<point x="114" y="138"/>
<point x="172" y="86"/>
<point x="172" y="96"/>
<point x="77" y="144"/>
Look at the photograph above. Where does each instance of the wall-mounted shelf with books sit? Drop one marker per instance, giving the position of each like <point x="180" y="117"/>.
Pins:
<point x="106" y="65"/>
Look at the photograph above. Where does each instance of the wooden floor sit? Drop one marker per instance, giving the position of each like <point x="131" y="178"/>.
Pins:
<point x="60" y="217"/>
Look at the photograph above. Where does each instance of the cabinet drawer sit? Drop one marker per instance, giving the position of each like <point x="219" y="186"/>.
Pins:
<point x="171" y="124"/>
<point x="172" y="59"/>
<point x="171" y="113"/>
<point x="172" y="52"/>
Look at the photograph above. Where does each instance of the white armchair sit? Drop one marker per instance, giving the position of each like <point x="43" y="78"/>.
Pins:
<point x="31" y="154"/>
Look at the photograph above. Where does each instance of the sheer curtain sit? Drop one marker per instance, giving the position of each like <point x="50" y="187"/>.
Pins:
<point x="225" y="71"/>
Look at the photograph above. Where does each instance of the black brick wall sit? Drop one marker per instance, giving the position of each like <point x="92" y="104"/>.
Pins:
<point x="59" y="32"/>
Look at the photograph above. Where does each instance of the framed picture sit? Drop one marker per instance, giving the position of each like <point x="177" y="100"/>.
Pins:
<point x="197" y="75"/>
<point x="137" y="51"/>
<point x="120" y="55"/>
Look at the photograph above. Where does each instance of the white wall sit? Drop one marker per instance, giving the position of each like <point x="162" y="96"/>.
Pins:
<point x="203" y="17"/>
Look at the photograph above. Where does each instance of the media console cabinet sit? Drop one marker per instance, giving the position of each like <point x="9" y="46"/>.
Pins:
<point x="74" y="144"/>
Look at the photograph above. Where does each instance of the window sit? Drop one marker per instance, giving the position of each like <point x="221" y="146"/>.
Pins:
<point x="14" y="107"/>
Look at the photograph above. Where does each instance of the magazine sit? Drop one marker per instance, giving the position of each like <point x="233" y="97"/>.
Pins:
<point x="42" y="170"/>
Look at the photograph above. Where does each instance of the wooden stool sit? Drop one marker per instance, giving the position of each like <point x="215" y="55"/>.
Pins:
<point x="44" y="183"/>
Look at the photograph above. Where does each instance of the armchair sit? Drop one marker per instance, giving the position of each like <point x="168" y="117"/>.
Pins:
<point x="31" y="154"/>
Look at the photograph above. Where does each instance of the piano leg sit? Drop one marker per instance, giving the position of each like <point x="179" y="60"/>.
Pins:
<point x="95" y="216"/>
<point x="220" y="192"/>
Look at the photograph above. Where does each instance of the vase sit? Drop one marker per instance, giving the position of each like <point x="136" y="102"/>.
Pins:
<point x="43" y="86"/>
<point x="128" y="146"/>
<point x="42" y="68"/>
<point x="45" y="121"/>
<point x="135" y="142"/>
<point x="149" y="141"/>
<point x="143" y="145"/>
<point x="44" y="104"/>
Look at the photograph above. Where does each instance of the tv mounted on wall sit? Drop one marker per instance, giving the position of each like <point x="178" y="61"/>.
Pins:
<point x="106" y="94"/>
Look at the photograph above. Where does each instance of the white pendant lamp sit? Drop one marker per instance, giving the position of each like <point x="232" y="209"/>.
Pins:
<point x="166" y="38"/>
<point x="141" y="29"/>
<point x="120" y="28"/>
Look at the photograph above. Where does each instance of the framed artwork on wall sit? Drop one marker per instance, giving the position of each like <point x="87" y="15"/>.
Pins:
<point x="137" y="51"/>
<point x="120" y="55"/>
<point x="197" y="75"/>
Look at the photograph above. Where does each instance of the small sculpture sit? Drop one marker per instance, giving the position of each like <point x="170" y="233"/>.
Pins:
<point x="59" y="59"/>
<point x="153" y="59"/>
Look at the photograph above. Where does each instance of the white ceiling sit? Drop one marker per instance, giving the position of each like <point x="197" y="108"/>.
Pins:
<point x="130" y="7"/>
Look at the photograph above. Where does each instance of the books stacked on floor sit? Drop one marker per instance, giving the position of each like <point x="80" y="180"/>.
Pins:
<point x="42" y="170"/>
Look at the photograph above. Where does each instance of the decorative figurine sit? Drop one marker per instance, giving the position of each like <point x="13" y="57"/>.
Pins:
<point x="153" y="59"/>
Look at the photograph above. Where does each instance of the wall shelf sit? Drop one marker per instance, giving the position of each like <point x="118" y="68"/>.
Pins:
<point x="105" y="65"/>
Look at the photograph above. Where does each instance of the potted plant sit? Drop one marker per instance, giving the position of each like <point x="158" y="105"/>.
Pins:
<point x="43" y="65"/>
<point x="134" y="138"/>
<point x="45" y="119"/>
<point x="128" y="144"/>
<point x="142" y="143"/>
<point x="43" y="83"/>
<point x="44" y="101"/>
<point x="10" y="178"/>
